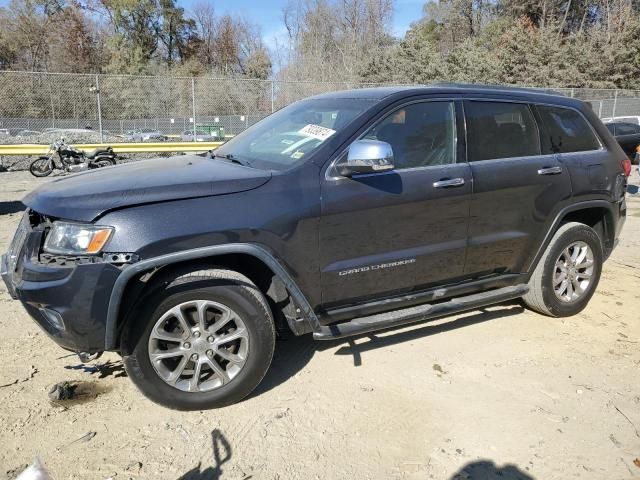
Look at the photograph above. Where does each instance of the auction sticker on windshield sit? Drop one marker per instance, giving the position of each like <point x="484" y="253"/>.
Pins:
<point x="316" y="131"/>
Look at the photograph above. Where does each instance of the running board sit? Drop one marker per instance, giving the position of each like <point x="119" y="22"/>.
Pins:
<point x="406" y="316"/>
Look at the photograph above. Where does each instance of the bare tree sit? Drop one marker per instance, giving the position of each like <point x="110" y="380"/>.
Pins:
<point x="334" y="37"/>
<point x="206" y="25"/>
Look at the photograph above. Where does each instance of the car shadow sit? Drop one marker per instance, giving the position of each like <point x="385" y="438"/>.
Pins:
<point x="102" y="370"/>
<point x="11" y="207"/>
<point x="487" y="470"/>
<point x="221" y="454"/>
<point x="293" y="353"/>
<point x="477" y="470"/>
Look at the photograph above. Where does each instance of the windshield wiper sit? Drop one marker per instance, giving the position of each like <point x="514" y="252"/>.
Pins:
<point x="230" y="157"/>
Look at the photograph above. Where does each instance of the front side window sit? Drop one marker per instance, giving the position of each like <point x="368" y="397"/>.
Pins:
<point x="500" y="130"/>
<point x="421" y="134"/>
<point x="566" y="131"/>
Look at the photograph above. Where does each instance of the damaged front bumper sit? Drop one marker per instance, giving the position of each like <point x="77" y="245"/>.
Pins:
<point x="70" y="303"/>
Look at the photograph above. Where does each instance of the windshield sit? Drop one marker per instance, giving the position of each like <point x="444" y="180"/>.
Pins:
<point x="290" y="135"/>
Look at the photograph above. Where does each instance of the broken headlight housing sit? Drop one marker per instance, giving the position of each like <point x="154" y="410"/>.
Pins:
<point x="76" y="239"/>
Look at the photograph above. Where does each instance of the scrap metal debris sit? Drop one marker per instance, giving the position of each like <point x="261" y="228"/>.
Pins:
<point x="62" y="391"/>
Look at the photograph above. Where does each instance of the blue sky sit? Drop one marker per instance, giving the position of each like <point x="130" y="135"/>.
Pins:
<point x="268" y="14"/>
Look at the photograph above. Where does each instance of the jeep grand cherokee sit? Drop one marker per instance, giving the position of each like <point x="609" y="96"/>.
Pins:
<point x="338" y="215"/>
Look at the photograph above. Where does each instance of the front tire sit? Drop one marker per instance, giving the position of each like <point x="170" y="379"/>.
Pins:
<point x="204" y="341"/>
<point x="41" y="167"/>
<point x="568" y="273"/>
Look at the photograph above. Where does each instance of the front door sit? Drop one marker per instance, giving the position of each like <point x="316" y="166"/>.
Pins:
<point x="391" y="232"/>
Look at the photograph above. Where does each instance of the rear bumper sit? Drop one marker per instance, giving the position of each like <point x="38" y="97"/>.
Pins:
<point x="69" y="303"/>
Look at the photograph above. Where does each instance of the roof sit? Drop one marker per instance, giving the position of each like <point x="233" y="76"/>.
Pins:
<point x="378" y="93"/>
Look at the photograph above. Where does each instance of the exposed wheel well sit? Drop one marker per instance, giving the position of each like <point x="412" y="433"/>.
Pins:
<point x="598" y="218"/>
<point x="141" y="286"/>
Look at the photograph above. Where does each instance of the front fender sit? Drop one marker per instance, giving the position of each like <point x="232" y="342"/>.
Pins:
<point x="255" y="250"/>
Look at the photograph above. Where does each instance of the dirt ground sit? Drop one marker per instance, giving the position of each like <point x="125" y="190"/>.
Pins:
<point x="498" y="393"/>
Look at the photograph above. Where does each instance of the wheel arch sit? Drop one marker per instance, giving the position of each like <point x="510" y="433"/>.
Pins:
<point x="253" y="261"/>
<point x="597" y="214"/>
<point x="599" y="218"/>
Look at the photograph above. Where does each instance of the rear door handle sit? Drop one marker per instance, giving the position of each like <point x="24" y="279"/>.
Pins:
<point x="550" y="171"/>
<point x="454" y="182"/>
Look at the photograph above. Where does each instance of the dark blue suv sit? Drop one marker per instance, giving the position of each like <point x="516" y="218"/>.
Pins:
<point x="338" y="215"/>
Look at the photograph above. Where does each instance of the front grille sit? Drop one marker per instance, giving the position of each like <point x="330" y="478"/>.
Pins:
<point x="18" y="242"/>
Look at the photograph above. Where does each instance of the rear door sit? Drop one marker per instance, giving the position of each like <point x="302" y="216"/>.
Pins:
<point x="391" y="232"/>
<point x="568" y="133"/>
<point x="516" y="187"/>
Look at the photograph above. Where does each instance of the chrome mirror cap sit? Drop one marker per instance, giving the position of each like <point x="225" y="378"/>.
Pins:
<point x="367" y="156"/>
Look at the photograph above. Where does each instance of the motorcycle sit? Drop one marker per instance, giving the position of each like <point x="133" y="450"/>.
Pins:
<point x="71" y="159"/>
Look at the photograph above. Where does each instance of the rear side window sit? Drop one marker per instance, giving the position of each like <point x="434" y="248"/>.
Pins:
<point x="627" y="129"/>
<point x="566" y="131"/>
<point x="500" y="130"/>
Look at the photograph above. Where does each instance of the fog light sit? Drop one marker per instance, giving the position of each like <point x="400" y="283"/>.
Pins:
<point x="53" y="317"/>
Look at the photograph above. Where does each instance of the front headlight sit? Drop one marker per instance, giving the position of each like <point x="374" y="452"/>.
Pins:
<point x="76" y="239"/>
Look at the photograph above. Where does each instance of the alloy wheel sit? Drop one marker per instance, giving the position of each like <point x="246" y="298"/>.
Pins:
<point x="198" y="346"/>
<point x="573" y="272"/>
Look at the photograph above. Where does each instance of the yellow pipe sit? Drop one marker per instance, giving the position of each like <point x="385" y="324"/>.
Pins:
<point x="147" y="147"/>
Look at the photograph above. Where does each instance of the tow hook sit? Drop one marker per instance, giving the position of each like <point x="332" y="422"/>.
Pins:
<point x="86" y="357"/>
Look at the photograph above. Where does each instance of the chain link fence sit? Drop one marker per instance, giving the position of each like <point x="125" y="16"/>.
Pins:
<point x="115" y="105"/>
<point x="607" y="103"/>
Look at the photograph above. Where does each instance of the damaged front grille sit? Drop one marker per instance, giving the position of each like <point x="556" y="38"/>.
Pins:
<point x="17" y="244"/>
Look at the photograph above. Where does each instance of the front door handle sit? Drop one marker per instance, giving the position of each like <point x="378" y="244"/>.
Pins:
<point x="454" y="182"/>
<point x="550" y="171"/>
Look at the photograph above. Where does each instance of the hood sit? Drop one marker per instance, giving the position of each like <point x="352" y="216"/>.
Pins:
<point x="87" y="195"/>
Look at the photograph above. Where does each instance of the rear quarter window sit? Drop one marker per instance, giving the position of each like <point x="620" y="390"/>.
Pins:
<point x="565" y="131"/>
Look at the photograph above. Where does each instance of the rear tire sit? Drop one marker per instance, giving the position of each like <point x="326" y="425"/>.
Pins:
<point x="560" y="286"/>
<point x="42" y="167"/>
<point x="209" y="370"/>
<point x="102" y="162"/>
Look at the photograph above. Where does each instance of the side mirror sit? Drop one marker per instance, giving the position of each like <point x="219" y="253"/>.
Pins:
<point x="367" y="156"/>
